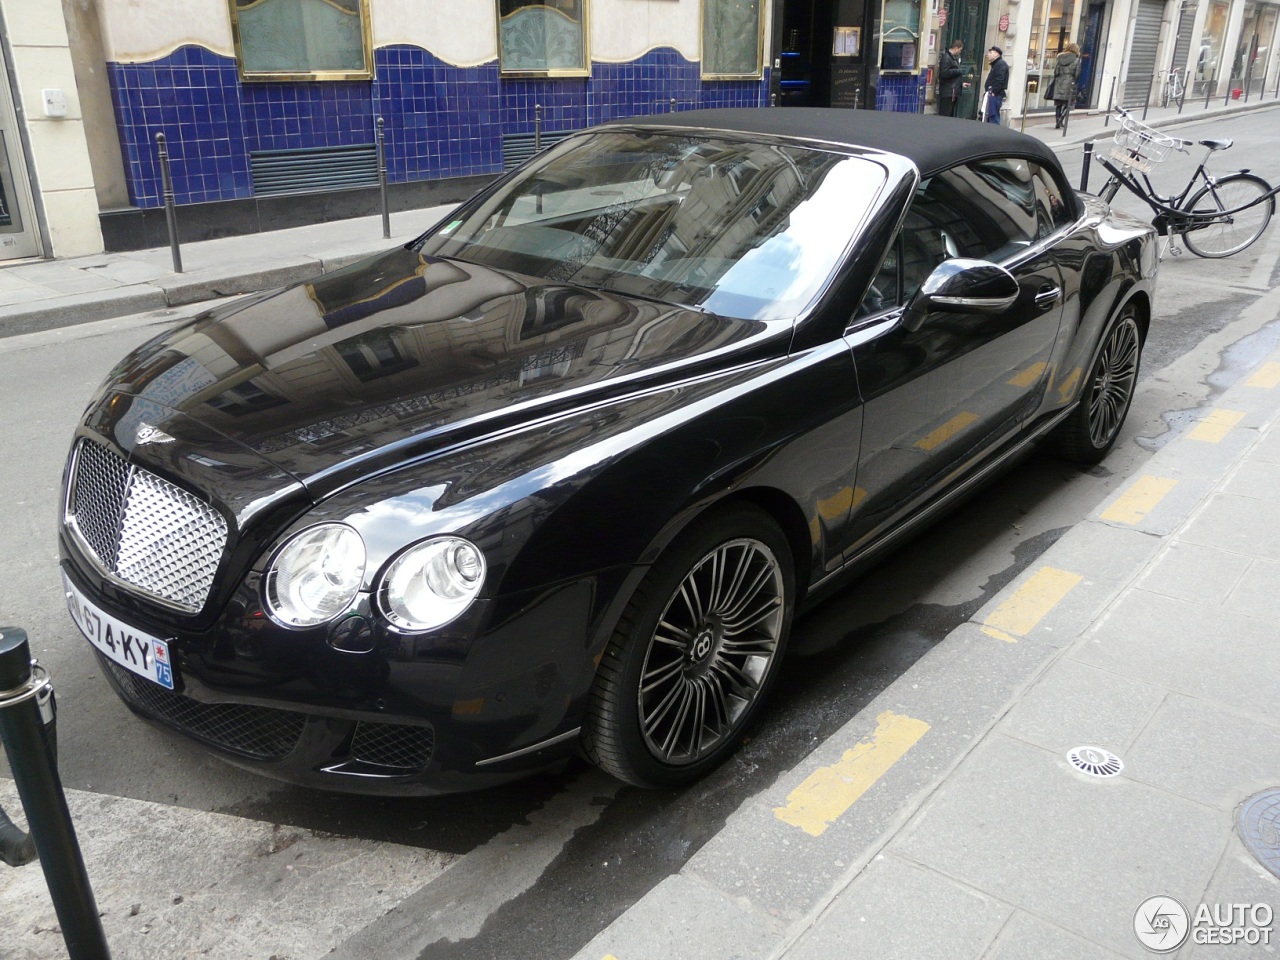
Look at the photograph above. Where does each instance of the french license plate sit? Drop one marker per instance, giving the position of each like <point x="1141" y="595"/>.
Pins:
<point x="134" y="650"/>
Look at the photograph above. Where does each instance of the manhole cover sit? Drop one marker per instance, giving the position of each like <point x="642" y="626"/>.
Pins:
<point x="1259" y="826"/>
<point x="1095" y="761"/>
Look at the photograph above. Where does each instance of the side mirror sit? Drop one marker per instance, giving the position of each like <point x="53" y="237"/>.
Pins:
<point x="961" y="286"/>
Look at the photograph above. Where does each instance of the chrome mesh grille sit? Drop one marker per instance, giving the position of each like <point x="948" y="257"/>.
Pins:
<point x="98" y="500"/>
<point x="144" y="530"/>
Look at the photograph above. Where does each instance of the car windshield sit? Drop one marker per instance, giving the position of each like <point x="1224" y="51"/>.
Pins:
<point x="743" y="229"/>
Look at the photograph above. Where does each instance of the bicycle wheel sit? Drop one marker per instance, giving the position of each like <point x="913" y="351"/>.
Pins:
<point x="1212" y="237"/>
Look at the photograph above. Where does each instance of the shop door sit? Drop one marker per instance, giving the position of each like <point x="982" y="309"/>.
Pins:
<point x="1092" y="50"/>
<point x="18" y="235"/>
<point x="967" y="22"/>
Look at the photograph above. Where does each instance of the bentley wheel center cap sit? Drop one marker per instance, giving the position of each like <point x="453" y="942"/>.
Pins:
<point x="702" y="645"/>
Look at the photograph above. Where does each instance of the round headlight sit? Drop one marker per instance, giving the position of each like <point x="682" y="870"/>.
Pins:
<point x="431" y="583"/>
<point x="316" y="575"/>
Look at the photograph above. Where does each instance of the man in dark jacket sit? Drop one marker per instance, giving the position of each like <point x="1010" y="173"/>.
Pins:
<point x="997" y="84"/>
<point x="950" y="77"/>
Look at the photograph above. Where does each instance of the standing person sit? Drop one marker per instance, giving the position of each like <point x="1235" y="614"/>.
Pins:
<point x="1066" y="74"/>
<point x="997" y="84"/>
<point x="950" y="77"/>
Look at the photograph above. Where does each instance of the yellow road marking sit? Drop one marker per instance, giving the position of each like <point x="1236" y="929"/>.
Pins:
<point x="1216" y="425"/>
<point x="1139" y="500"/>
<point x="947" y="430"/>
<point x="830" y="791"/>
<point x="1030" y="602"/>
<point x="1029" y="376"/>
<point x="609" y="956"/>
<point x="1267" y="377"/>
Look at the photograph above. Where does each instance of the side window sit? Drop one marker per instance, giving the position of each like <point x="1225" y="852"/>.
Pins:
<point x="986" y="210"/>
<point x="883" y="294"/>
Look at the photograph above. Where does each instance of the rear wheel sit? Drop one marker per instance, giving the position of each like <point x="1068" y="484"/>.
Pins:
<point x="696" y="652"/>
<point x="1223" y="236"/>
<point x="1091" y="430"/>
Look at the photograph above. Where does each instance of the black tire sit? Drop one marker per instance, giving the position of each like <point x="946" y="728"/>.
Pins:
<point x="1091" y="430"/>
<point x="696" y="652"/>
<point x="1222" y="238"/>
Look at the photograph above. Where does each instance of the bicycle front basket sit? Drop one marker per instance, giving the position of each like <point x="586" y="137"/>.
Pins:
<point x="1139" y="146"/>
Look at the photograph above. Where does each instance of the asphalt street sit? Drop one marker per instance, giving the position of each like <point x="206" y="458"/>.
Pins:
<point x="539" y="868"/>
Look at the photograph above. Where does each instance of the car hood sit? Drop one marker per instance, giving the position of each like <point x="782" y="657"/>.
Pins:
<point x="402" y="353"/>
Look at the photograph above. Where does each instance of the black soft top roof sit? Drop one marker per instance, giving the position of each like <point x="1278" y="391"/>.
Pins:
<point x="932" y="143"/>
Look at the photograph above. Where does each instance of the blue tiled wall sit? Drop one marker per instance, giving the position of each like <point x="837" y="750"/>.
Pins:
<point x="901" y="93"/>
<point x="441" y="120"/>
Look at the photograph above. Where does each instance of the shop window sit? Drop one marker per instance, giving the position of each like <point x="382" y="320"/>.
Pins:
<point x="544" y="38"/>
<point x="302" y="39"/>
<point x="1051" y="32"/>
<point x="732" y="39"/>
<point x="900" y="35"/>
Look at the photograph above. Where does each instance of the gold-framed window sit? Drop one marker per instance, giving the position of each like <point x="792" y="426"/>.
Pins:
<point x="302" y="39"/>
<point x="543" y="38"/>
<point x="732" y="39"/>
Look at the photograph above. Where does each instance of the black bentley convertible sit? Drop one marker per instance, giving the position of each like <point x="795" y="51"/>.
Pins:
<point x="557" y="475"/>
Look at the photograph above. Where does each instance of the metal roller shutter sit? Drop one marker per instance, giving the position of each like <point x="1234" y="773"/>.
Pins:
<point x="1185" y="25"/>
<point x="1142" y="55"/>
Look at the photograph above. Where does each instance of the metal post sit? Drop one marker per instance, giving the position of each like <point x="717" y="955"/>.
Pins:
<point x="1208" y="88"/>
<point x="1230" y="82"/>
<point x="537" y="127"/>
<point x="1146" y="106"/>
<point x="170" y="203"/>
<point x="1111" y="102"/>
<point x="382" y="178"/>
<point x="25" y="691"/>
<point x="1248" y="80"/>
<point x="1186" y="85"/>
<point x="673" y="105"/>
<point x="1084" y="169"/>
<point x="773" y="99"/>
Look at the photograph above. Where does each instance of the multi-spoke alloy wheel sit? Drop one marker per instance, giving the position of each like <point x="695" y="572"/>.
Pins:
<point x="1092" y="429"/>
<point x="695" y="653"/>
<point x="711" y="652"/>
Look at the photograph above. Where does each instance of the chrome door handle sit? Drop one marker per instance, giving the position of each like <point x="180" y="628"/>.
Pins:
<point x="1048" y="296"/>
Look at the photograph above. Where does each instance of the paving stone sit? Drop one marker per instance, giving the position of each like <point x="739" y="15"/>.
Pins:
<point x="1207" y="753"/>
<point x="1239" y="879"/>
<point x="683" y="918"/>
<point x="900" y="911"/>
<point x="1025" y="937"/>
<point x="1192" y="572"/>
<point x="1238" y="524"/>
<point x="1078" y="705"/>
<point x="1254" y="478"/>
<point x="1019" y="823"/>
<point x="1189" y="648"/>
<point x="1256" y="595"/>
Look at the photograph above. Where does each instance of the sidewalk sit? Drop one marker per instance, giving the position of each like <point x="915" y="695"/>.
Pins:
<point x="44" y="294"/>
<point x="1152" y="631"/>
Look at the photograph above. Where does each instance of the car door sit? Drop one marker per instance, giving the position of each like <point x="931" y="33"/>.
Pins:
<point x="941" y="397"/>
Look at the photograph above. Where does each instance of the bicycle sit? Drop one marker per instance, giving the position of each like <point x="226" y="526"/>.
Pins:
<point x="1174" y="89"/>
<point x="1224" y="216"/>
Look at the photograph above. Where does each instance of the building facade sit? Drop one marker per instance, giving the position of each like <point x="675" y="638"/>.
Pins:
<point x="271" y="110"/>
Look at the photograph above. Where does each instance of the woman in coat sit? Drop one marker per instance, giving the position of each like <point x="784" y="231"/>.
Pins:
<point x="1066" y="73"/>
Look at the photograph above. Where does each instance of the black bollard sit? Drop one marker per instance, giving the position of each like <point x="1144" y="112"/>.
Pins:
<point x="1084" y="170"/>
<point x="31" y="760"/>
<point x="170" y="202"/>
<point x="382" y="179"/>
